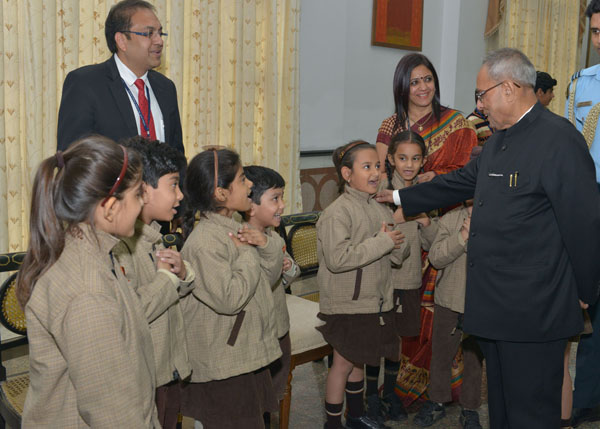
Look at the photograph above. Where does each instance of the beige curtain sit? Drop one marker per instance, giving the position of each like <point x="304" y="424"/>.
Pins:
<point x="548" y="32"/>
<point x="234" y="62"/>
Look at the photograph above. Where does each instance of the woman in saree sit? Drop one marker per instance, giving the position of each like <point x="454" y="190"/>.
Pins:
<point x="450" y="138"/>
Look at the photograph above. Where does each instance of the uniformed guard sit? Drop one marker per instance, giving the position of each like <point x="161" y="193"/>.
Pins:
<point x="583" y="104"/>
<point x="583" y="109"/>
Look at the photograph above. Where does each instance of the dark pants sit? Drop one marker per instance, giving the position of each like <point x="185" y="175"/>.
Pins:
<point x="444" y="343"/>
<point x="524" y="383"/>
<point x="587" y="366"/>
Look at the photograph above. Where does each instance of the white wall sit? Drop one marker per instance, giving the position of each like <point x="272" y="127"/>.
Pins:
<point x="346" y="84"/>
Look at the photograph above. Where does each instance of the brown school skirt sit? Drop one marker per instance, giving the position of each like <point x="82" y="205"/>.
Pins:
<point x="168" y="404"/>
<point x="408" y="320"/>
<point x="361" y="338"/>
<point x="280" y="368"/>
<point x="236" y="402"/>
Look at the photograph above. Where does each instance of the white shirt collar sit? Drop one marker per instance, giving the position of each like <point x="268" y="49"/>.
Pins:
<point x="528" y="110"/>
<point x="126" y="74"/>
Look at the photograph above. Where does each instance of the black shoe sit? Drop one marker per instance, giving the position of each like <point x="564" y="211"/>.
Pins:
<point x="374" y="408"/>
<point x="469" y="419"/>
<point x="364" y="422"/>
<point x="393" y="409"/>
<point x="582" y="415"/>
<point x="429" y="413"/>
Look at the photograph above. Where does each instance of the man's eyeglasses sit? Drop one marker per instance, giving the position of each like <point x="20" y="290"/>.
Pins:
<point x="149" y="34"/>
<point x="479" y="94"/>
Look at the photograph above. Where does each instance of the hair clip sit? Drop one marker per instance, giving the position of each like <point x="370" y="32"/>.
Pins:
<point x="120" y="178"/>
<point x="350" y="147"/>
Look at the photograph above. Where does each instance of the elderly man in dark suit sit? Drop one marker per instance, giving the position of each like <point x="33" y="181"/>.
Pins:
<point x="533" y="246"/>
<point x="123" y="96"/>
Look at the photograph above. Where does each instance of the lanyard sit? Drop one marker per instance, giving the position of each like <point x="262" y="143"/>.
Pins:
<point x="137" y="106"/>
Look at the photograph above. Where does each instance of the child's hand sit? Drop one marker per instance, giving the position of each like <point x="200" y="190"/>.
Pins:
<point x="425" y="177"/>
<point x="252" y="236"/>
<point x="399" y="215"/>
<point x="287" y="264"/>
<point x="583" y="305"/>
<point x="465" y="228"/>
<point x="235" y="240"/>
<point x="169" y="259"/>
<point x="396" y="236"/>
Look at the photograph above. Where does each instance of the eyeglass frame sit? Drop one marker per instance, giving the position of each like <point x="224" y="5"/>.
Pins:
<point x="149" y="34"/>
<point x="479" y="94"/>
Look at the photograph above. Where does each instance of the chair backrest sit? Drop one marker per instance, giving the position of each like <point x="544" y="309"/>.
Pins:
<point x="301" y="240"/>
<point x="12" y="316"/>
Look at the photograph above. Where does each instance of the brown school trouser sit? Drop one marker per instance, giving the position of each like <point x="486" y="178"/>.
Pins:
<point x="444" y="347"/>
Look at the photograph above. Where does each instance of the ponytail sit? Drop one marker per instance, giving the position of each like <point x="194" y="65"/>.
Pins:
<point x="46" y="232"/>
<point x="66" y="190"/>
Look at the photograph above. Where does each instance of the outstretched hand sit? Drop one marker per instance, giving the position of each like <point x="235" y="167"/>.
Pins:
<point x="385" y="196"/>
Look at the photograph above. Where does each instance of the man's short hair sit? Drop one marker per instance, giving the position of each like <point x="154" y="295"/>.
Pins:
<point x="263" y="179"/>
<point x="544" y="81"/>
<point x="510" y="64"/>
<point x="593" y="7"/>
<point x="119" y="19"/>
<point x="158" y="158"/>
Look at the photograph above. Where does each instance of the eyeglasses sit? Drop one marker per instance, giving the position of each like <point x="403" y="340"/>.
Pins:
<point x="479" y="94"/>
<point x="149" y="34"/>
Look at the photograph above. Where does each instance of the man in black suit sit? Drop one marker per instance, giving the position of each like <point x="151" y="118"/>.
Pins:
<point x="533" y="246"/>
<point x="111" y="98"/>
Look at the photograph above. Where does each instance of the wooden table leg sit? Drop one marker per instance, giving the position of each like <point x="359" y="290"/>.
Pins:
<point x="284" y="406"/>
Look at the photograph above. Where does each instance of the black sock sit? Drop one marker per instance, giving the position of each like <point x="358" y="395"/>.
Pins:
<point x="390" y="375"/>
<point x="334" y="415"/>
<point x="354" y="398"/>
<point x="372" y="373"/>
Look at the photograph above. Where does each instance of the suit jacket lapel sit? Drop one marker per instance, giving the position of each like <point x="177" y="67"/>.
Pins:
<point x="121" y="98"/>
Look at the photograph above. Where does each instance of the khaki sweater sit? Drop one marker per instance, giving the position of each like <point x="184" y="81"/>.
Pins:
<point x="448" y="254"/>
<point x="90" y="351"/>
<point x="230" y="328"/>
<point x="281" y="314"/>
<point x="159" y="292"/>
<point x="355" y="257"/>
<point x="409" y="275"/>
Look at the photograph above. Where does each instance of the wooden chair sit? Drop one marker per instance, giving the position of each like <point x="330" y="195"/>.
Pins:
<point x="301" y="240"/>
<point x="13" y="390"/>
<point x="307" y="343"/>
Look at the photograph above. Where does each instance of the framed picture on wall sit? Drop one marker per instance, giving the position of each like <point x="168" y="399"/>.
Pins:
<point x="398" y="24"/>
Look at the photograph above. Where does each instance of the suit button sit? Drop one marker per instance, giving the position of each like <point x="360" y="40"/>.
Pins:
<point x="503" y="147"/>
<point x="473" y="234"/>
<point x="480" y="203"/>
<point x="471" y="264"/>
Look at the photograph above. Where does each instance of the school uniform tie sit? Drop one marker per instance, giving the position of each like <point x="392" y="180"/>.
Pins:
<point x="145" y="109"/>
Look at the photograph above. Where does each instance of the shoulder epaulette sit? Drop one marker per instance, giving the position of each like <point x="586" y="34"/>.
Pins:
<point x="589" y="71"/>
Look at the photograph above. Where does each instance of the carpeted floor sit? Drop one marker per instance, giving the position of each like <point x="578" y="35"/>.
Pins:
<point x="308" y="391"/>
